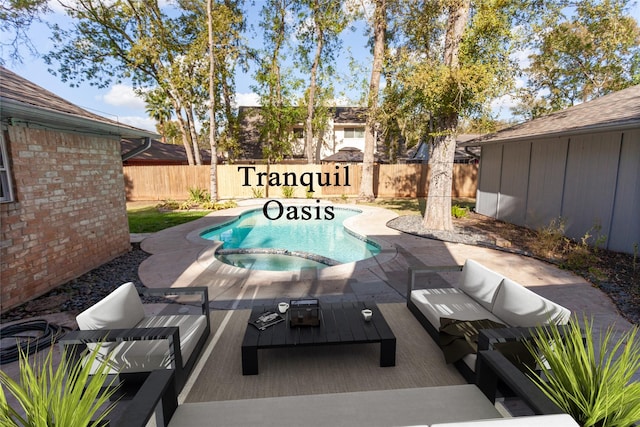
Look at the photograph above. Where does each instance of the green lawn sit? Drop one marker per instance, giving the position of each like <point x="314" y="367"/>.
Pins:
<point x="150" y="219"/>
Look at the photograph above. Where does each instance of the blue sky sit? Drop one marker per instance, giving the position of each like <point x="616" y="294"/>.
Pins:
<point x="118" y="102"/>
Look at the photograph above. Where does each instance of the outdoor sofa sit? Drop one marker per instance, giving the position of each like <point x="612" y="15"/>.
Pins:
<point x="135" y="343"/>
<point x="466" y="405"/>
<point x="501" y="310"/>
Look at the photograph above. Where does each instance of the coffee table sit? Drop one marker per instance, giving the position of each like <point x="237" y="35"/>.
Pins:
<point x="340" y="323"/>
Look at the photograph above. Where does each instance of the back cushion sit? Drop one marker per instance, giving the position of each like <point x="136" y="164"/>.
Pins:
<point x="479" y="283"/>
<point x="121" y="309"/>
<point x="518" y="306"/>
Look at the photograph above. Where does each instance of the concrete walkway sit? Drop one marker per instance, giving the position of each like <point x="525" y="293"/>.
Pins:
<point x="181" y="258"/>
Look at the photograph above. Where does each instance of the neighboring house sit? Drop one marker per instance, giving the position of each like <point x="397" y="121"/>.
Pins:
<point x="464" y="154"/>
<point x="62" y="198"/>
<point x="344" y="130"/>
<point x="348" y="155"/>
<point x="159" y="154"/>
<point x="581" y="164"/>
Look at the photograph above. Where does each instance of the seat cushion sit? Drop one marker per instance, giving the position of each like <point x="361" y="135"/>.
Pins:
<point x="451" y="303"/>
<point x="121" y="309"/>
<point x="141" y="356"/>
<point x="480" y="283"/>
<point x="555" y="420"/>
<point x="518" y="306"/>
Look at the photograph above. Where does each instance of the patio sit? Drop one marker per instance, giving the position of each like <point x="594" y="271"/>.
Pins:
<point x="180" y="258"/>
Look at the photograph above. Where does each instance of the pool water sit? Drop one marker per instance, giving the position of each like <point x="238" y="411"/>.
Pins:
<point x="301" y="244"/>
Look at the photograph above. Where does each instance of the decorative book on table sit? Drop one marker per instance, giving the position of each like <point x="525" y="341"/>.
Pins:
<point x="266" y="319"/>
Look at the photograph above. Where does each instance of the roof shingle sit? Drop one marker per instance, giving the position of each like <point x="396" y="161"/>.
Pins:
<point x="617" y="110"/>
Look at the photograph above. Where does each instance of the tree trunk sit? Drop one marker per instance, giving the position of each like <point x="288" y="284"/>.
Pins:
<point x="213" y="178"/>
<point x="194" y="137"/>
<point x="437" y="215"/>
<point x="308" y="138"/>
<point x="380" y="26"/>
<point x="185" y="139"/>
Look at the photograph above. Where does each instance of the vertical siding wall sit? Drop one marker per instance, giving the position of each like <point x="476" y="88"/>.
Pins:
<point x="173" y="182"/>
<point x="591" y="181"/>
<point x="69" y="214"/>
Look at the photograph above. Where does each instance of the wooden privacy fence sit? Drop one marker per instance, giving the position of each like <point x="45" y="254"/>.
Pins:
<point x="332" y="180"/>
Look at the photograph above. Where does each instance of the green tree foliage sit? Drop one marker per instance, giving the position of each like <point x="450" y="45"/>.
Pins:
<point x="16" y="17"/>
<point x="278" y="114"/>
<point x="164" y="49"/>
<point x="320" y="24"/>
<point x="582" y="50"/>
<point x="158" y="107"/>
<point x="452" y="59"/>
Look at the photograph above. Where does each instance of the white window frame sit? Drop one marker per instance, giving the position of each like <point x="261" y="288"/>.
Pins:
<point x="6" y="186"/>
<point x="354" y="133"/>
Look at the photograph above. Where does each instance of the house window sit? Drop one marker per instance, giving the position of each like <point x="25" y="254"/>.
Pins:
<point x="298" y="133"/>
<point x="353" y="133"/>
<point x="6" y="192"/>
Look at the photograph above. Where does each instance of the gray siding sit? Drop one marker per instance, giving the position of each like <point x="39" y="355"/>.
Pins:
<point x="546" y="181"/>
<point x="592" y="181"/>
<point x="489" y="180"/>
<point x="625" y="224"/>
<point x="513" y="182"/>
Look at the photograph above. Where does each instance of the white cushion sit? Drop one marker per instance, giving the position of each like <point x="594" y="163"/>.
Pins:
<point x="556" y="420"/>
<point x="518" y="306"/>
<point x="121" y="309"/>
<point x="451" y="303"/>
<point x="138" y="356"/>
<point x="480" y="283"/>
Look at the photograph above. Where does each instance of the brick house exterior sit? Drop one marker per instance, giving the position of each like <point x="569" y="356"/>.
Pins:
<point x="62" y="204"/>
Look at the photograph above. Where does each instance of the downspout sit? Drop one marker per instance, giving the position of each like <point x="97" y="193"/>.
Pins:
<point x="147" y="144"/>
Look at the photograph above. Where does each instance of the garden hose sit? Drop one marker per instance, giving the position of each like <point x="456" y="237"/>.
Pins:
<point x="25" y="339"/>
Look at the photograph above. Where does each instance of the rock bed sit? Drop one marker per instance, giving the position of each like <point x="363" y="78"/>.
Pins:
<point x="84" y="291"/>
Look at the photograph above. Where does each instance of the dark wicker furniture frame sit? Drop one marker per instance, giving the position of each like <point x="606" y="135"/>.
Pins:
<point x="75" y="341"/>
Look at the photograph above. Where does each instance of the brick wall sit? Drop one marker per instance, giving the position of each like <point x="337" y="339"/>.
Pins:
<point x="69" y="214"/>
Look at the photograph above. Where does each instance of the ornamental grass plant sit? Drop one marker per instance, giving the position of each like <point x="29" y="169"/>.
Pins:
<point x="66" y="395"/>
<point x="589" y="379"/>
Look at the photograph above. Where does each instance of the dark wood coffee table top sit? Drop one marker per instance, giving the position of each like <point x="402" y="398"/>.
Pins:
<point x="340" y="323"/>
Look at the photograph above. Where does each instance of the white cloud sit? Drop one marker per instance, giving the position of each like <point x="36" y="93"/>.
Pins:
<point x="123" y="96"/>
<point x="247" y="100"/>
<point x="146" y="123"/>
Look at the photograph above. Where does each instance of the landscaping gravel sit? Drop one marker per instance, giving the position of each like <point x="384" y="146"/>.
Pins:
<point x="84" y="291"/>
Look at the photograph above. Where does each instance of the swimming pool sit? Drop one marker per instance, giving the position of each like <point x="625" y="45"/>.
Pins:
<point x="256" y="242"/>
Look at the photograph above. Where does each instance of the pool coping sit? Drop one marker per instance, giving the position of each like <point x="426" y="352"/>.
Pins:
<point x="353" y="225"/>
<point x="197" y="255"/>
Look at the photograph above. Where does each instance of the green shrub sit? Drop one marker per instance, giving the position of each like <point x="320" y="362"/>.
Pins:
<point x="198" y="195"/>
<point x="589" y="381"/>
<point x="287" y="192"/>
<point x="62" y="396"/>
<point x="458" y="211"/>
<point x="584" y="254"/>
<point x="550" y="239"/>
<point x="216" y="206"/>
<point x="185" y="206"/>
<point x="258" y="193"/>
<point x="169" y="205"/>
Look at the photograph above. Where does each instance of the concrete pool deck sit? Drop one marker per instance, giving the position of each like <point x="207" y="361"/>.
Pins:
<point x="179" y="257"/>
